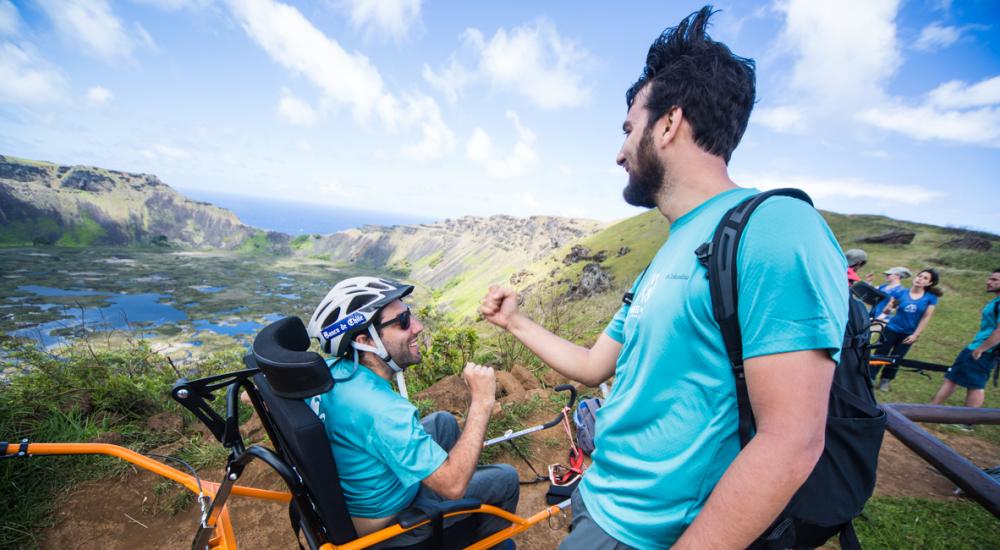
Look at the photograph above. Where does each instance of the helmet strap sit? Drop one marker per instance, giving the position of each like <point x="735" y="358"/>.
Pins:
<point x="378" y="349"/>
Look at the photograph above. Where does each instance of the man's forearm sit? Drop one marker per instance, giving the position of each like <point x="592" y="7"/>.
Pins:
<point x="754" y="490"/>
<point x="568" y="359"/>
<point x="451" y="479"/>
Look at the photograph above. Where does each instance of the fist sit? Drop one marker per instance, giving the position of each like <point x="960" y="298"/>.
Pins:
<point x="482" y="382"/>
<point x="499" y="306"/>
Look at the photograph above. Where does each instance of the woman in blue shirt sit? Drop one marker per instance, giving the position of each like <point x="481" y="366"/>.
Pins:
<point x="913" y="311"/>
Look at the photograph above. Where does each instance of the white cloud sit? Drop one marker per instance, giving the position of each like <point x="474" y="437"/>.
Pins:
<point x="844" y="188"/>
<point x="437" y="138"/>
<point x="393" y="18"/>
<point x="532" y="60"/>
<point x="176" y="5"/>
<point x="10" y="21"/>
<point x="530" y="201"/>
<point x="954" y="111"/>
<point x="296" y="111"/>
<point x="781" y="119"/>
<point x="846" y="50"/>
<point x="27" y="78"/>
<point x="345" y="78"/>
<point x="159" y="150"/>
<point x="925" y="122"/>
<point x="936" y="36"/>
<point x="99" y="95"/>
<point x="93" y="25"/>
<point x="517" y="162"/>
<point x="957" y="95"/>
<point x="145" y="37"/>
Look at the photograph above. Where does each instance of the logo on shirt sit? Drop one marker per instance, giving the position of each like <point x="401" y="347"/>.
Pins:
<point x="910" y="308"/>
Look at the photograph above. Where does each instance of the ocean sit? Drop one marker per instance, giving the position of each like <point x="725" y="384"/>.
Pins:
<point x="296" y="218"/>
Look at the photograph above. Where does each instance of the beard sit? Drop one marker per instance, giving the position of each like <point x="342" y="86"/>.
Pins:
<point x="646" y="177"/>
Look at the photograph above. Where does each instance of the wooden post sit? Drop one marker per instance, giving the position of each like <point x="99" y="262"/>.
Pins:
<point x="976" y="483"/>
<point x="941" y="414"/>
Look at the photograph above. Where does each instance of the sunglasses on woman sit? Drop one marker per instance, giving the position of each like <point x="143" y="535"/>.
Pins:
<point x="403" y="319"/>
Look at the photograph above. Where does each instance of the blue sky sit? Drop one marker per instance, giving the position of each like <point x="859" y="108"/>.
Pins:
<point x="444" y="109"/>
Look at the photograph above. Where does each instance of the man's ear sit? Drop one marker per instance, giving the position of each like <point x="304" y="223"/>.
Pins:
<point x="668" y="125"/>
<point x="363" y="338"/>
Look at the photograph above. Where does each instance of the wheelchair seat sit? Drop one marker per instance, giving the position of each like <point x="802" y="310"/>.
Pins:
<point x="289" y="374"/>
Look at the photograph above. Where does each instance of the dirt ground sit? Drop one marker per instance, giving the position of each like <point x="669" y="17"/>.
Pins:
<point x="129" y="512"/>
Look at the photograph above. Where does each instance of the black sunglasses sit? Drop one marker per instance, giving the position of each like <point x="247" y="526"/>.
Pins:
<point x="403" y="319"/>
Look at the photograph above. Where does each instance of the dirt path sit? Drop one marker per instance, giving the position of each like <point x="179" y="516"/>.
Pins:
<point x="128" y="512"/>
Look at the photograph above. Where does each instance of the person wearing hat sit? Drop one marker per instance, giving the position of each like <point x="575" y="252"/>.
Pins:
<point x="389" y="459"/>
<point x="891" y="287"/>
<point x="856" y="259"/>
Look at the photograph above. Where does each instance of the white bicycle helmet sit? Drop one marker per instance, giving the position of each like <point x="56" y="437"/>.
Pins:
<point x="348" y="309"/>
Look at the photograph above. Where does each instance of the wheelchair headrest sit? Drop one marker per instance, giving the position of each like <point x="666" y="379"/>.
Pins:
<point x="867" y="293"/>
<point x="281" y="351"/>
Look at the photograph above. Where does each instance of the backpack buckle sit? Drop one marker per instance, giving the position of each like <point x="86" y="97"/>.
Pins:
<point x="703" y="253"/>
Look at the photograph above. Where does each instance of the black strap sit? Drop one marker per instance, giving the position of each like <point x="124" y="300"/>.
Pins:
<point x="293" y="516"/>
<point x="720" y="257"/>
<point x="849" y="538"/>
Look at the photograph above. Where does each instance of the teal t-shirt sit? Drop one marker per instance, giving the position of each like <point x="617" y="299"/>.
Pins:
<point x="989" y="323"/>
<point x="668" y="429"/>
<point x="382" y="450"/>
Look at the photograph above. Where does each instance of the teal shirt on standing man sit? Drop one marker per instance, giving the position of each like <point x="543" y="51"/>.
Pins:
<point x="668" y="429"/>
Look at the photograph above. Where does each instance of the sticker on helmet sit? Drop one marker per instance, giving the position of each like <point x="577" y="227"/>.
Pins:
<point x="332" y="331"/>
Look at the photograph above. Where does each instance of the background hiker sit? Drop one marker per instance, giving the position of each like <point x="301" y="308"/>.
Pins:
<point x="892" y="286"/>
<point x="667" y="468"/>
<point x="388" y="459"/>
<point x="856" y="259"/>
<point x="972" y="367"/>
<point x="914" y="310"/>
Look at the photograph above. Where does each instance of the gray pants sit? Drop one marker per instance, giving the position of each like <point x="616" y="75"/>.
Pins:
<point x="586" y="533"/>
<point x="495" y="484"/>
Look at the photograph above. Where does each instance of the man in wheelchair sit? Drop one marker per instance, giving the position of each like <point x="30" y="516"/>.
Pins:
<point x="389" y="460"/>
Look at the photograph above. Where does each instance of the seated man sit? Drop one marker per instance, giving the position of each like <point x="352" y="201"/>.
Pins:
<point x="387" y="459"/>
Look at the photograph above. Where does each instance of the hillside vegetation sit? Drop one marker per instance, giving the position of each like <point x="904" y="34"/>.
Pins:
<point x="74" y="206"/>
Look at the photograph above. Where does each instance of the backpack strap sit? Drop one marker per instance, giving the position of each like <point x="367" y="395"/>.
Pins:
<point x="720" y="257"/>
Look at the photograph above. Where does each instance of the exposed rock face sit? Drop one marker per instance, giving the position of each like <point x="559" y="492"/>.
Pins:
<point x="896" y="236"/>
<point x="450" y="253"/>
<point x="593" y="280"/>
<point x="971" y="242"/>
<point x="43" y="203"/>
<point x="582" y="254"/>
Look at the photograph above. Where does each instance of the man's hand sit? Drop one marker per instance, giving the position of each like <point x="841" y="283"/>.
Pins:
<point x="499" y="306"/>
<point x="977" y="353"/>
<point x="482" y="384"/>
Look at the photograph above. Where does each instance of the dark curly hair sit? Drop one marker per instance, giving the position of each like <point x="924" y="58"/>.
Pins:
<point x="715" y="88"/>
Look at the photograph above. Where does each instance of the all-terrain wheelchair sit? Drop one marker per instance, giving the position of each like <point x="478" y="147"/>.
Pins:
<point x="280" y="374"/>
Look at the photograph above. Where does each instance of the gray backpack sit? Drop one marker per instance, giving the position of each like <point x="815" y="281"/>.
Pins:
<point x="584" y="419"/>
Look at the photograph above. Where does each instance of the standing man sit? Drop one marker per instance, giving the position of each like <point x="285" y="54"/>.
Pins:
<point x="668" y="470"/>
<point x="972" y="367"/>
<point x="389" y="460"/>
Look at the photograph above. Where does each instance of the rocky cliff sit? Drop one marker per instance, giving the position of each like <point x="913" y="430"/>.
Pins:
<point x="44" y="203"/>
<point x="456" y="258"/>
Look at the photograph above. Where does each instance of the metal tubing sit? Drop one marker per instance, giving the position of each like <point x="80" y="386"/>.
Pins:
<point x="976" y="483"/>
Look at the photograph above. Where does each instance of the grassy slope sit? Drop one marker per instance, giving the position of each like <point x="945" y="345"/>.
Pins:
<point x="889" y="522"/>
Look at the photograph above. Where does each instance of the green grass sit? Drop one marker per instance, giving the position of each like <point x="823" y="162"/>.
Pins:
<point x="256" y="244"/>
<point x="903" y="522"/>
<point x="86" y="232"/>
<point x="81" y="393"/>
<point x="513" y="417"/>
